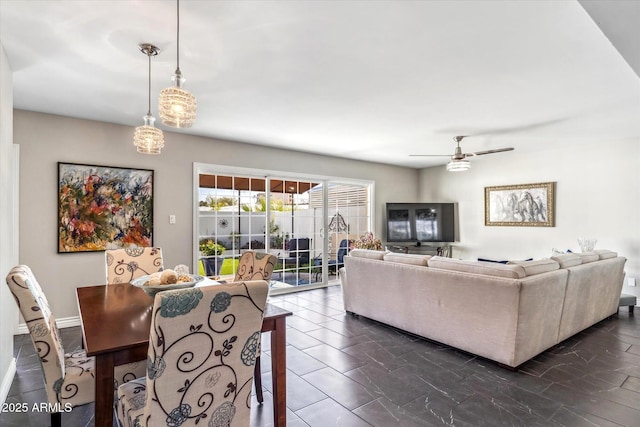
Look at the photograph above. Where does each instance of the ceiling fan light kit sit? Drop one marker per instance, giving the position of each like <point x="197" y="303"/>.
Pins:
<point x="176" y="106"/>
<point x="147" y="138"/>
<point x="458" y="165"/>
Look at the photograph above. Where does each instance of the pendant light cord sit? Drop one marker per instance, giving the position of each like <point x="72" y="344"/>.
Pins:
<point x="178" y="37"/>
<point x="149" y="109"/>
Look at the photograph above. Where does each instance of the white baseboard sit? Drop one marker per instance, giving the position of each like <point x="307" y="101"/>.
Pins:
<point x="7" y="380"/>
<point x="67" y="322"/>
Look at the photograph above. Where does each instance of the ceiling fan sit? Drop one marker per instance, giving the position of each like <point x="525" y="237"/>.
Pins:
<point x="459" y="160"/>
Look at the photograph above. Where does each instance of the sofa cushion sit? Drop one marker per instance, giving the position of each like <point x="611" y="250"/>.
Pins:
<point x="538" y="266"/>
<point x="588" y="256"/>
<point x="367" y="253"/>
<point x="605" y="253"/>
<point x="412" y="259"/>
<point x="478" y="267"/>
<point x="567" y="260"/>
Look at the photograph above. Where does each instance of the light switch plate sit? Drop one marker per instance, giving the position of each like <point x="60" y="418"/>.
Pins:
<point x="172" y="219"/>
<point x="631" y="281"/>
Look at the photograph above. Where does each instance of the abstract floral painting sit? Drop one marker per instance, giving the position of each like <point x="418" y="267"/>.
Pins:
<point x="103" y="207"/>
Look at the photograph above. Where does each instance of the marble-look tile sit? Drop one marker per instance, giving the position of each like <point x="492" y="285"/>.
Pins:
<point x="334" y="358"/>
<point x="300" y="392"/>
<point x="339" y="387"/>
<point x="633" y="384"/>
<point x="313" y="316"/>
<point x="382" y="412"/>
<point x="325" y="309"/>
<point x="372" y="351"/>
<point x="586" y="403"/>
<point x="334" y="339"/>
<point x="329" y="413"/>
<point x="262" y="414"/>
<point x="27" y="378"/>
<point x="567" y="417"/>
<point x="300" y="340"/>
<point x="399" y="386"/>
<point x="301" y="324"/>
<point x="301" y="362"/>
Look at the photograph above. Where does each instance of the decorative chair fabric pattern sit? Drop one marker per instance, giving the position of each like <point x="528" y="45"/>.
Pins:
<point x="70" y="382"/>
<point x="201" y="357"/>
<point x="255" y="266"/>
<point x="124" y="265"/>
<point x="68" y="378"/>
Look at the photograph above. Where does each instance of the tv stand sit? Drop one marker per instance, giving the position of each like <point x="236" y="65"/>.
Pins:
<point x="440" y="249"/>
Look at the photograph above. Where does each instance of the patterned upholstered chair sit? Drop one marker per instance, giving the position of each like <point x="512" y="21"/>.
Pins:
<point x="256" y="266"/>
<point x="124" y="265"/>
<point x="68" y="378"/>
<point x="200" y="362"/>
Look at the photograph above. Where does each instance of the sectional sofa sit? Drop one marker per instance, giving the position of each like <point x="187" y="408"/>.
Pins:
<point x="508" y="313"/>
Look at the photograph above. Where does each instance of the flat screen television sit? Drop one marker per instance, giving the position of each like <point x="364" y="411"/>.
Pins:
<point x="420" y="222"/>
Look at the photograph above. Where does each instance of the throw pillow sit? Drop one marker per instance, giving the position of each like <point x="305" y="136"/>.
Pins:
<point x="493" y="260"/>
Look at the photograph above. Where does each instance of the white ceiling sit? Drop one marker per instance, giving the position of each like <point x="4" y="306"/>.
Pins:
<point x="369" y="80"/>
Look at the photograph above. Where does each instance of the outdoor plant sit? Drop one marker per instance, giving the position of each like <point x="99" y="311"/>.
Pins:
<point x="368" y="241"/>
<point x="210" y="248"/>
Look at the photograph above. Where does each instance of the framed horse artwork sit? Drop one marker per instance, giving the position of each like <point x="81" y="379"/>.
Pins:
<point x="524" y="205"/>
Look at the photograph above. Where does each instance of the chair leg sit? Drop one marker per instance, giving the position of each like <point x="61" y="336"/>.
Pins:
<point x="257" y="376"/>
<point x="56" y="419"/>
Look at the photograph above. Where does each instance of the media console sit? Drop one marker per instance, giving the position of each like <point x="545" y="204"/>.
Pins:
<point x="440" y="249"/>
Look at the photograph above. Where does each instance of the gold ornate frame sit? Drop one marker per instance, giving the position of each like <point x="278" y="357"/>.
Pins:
<point x="523" y="205"/>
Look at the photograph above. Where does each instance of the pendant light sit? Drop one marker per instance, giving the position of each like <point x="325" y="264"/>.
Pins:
<point x="177" y="107"/>
<point x="148" y="139"/>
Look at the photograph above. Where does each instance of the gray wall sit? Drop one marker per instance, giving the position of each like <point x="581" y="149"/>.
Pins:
<point x="597" y="195"/>
<point x="46" y="139"/>
<point x="8" y="224"/>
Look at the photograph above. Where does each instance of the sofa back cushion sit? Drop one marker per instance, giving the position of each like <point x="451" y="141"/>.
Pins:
<point x="605" y="253"/>
<point x="367" y="253"/>
<point x="536" y="266"/>
<point x="587" y="257"/>
<point x="478" y="267"/>
<point x="567" y="260"/>
<point x="412" y="259"/>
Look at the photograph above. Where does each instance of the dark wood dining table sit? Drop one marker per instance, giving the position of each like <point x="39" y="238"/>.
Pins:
<point x="116" y="320"/>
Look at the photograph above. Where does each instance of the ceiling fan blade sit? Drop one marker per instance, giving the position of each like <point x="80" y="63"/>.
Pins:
<point x="480" y="153"/>
<point x="429" y="155"/>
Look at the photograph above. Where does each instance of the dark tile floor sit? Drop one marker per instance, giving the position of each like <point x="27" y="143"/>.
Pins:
<point x="348" y="371"/>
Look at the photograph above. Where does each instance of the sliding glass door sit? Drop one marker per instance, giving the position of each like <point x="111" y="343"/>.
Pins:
<point x="307" y="223"/>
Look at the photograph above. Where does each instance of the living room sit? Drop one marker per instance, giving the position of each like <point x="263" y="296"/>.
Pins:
<point x="596" y="190"/>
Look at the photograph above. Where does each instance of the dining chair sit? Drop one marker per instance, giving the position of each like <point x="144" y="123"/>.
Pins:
<point x="200" y="360"/>
<point x="68" y="377"/>
<point x="124" y="265"/>
<point x="256" y="266"/>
